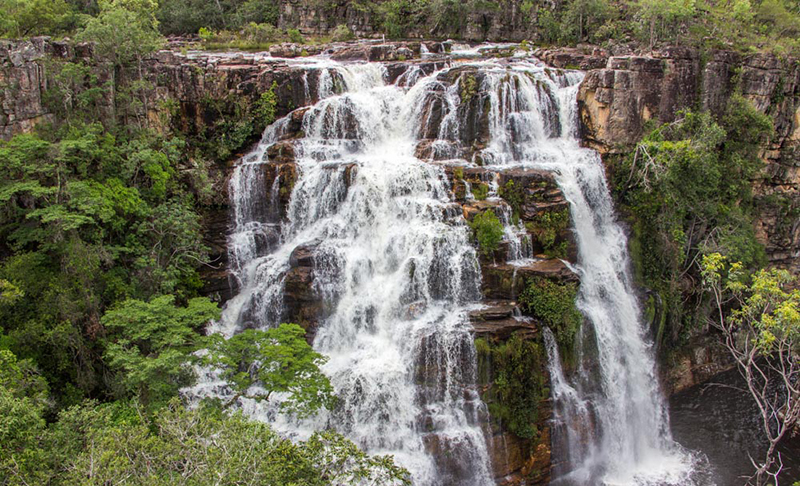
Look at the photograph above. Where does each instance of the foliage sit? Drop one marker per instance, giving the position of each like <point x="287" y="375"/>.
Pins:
<point x="553" y="303"/>
<point x="547" y="227"/>
<point x="89" y="219"/>
<point x="744" y="25"/>
<point x="662" y="17"/>
<point x="342" y="33"/>
<point x="295" y="36"/>
<point x="480" y="191"/>
<point x="688" y="189"/>
<point x="23" y="18"/>
<point x="9" y="293"/>
<point x="149" y="343"/>
<point x="234" y="123"/>
<point x="189" y="16"/>
<point x="515" y="373"/>
<point x="488" y="230"/>
<point x="261" y="33"/>
<point x="98" y="444"/>
<point x="468" y="88"/>
<point x="513" y="195"/>
<point x="762" y="334"/>
<point x="124" y="31"/>
<point x="256" y="364"/>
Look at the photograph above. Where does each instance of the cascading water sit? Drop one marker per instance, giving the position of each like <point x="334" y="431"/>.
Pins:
<point x="533" y="124"/>
<point x="395" y="266"/>
<point x="397" y="272"/>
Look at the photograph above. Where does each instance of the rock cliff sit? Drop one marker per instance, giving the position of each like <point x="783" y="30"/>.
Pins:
<point x="617" y="101"/>
<point x="198" y="93"/>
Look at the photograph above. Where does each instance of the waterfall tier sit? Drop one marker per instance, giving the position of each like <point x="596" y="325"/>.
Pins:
<point x="346" y="217"/>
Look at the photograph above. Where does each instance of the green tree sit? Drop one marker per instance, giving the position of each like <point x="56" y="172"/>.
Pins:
<point x="150" y="344"/>
<point x="582" y="17"/>
<point x="23" y="399"/>
<point x="198" y="447"/>
<point x="664" y="17"/>
<point x="23" y="18"/>
<point x="125" y="30"/>
<point x="762" y="334"/>
<point x="276" y="360"/>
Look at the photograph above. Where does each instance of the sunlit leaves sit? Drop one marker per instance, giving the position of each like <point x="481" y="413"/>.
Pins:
<point x="151" y="342"/>
<point x="258" y="363"/>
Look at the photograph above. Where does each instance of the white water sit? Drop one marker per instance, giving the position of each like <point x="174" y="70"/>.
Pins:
<point x="533" y="124"/>
<point x="397" y="272"/>
<point x="395" y="266"/>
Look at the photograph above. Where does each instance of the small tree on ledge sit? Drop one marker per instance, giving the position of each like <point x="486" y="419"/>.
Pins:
<point x="762" y="333"/>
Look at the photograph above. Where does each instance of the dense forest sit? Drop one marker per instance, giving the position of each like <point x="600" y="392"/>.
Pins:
<point x="101" y="314"/>
<point x="771" y="25"/>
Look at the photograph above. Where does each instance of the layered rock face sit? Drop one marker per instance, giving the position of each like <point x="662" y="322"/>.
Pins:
<point x="617" y="101"/>
<point x="504" y="21"/>
<point x="193" y="92"/>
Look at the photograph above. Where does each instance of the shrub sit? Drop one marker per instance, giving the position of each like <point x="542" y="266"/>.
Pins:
<point x="295" y="36"/>
<point x="262" y="33"/>
<point x="488" y="230"/>
<point x="554" y="304"/>
<point x="480" y="191"/>
<point x="515" y="375"/>
<point x="342" y="33"/>
<point x="205" y="34"/>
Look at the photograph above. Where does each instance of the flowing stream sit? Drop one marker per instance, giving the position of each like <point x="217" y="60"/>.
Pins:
<point x="397" y="272"/>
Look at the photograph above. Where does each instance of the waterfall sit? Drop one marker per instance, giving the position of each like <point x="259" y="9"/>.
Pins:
<point x="396" y="270"/>
<point x="394" y="265"/>
<point x="533" y="124"/>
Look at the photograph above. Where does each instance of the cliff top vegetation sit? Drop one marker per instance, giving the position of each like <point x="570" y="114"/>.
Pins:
<point x="744" y="25"/>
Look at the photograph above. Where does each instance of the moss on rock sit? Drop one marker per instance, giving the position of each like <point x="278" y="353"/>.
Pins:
<point x="514" y="378"/>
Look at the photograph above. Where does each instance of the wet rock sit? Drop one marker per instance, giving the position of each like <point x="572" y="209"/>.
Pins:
<point x="215" y="274"/>
<point x="281" y="152"/>
<point x="504" y="281"/>
<point x="574" y="58"/>
<point x="303" y="256"/>
<point x="501" y="320"/>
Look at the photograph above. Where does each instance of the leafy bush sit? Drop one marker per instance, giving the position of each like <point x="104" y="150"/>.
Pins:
<point x="480" y="191"/>
<point x="205" y="34"/>
<point x="488" y="230"/>
<point x="547" y="226"/>
<point x="295" y="36"/>
<point x="262" y="33"/>
<point x="342" y="33"/>
<point x="553" y="303"/>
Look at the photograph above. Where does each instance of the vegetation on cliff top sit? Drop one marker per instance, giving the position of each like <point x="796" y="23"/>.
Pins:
<point x="746" y="25"/>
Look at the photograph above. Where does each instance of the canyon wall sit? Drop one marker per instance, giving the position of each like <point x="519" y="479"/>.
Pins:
<point x="199" y="94"/>
<point x="616" y="102"/>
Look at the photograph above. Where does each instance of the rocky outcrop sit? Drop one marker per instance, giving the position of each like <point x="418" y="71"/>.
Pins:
<point x="617" y="101"/>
